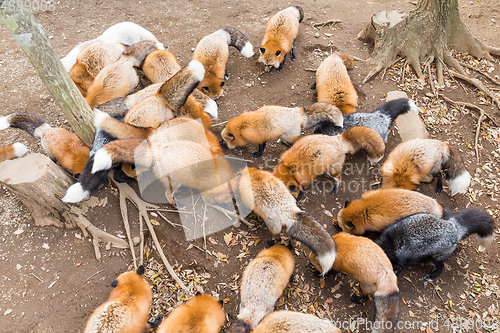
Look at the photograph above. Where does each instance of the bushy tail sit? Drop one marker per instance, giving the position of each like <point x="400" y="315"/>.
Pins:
<point x="25" y="121"/>
<point x="238" y="326"/>
<point x="361" y="137"/>
<point x="117" y="128"/>
<point x="301" y="12"/>
<point x="309" y="231"/>
<point x="477" y="221"/>
<point x="70" y="59"/>
<point x="178" y="88"/>
<point x="346" y="59"/>
<point x="11" y="151"/>
<point x="320" y="112"/>
<point x="138" y="52"/>
<point x="209" y="105"/>
<point x="131" y="151"/>
<point x="239" y="41"/>
<point x="117" y="107"/>
<point x="396" y="107"/>
<point x="386" y="311"/>
<point x="456" y="173"/>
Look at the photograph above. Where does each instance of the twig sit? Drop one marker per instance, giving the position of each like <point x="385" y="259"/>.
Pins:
<point x="431" y="82"/>
<point x="310" y="70"/>
<point x="206" y="251"/>
<point x="322" y="24"/>
<point x="495" y="81"/>
<point x="141" y="232"/>
<point x="102" y="270"/>
<point x="171" y="223"/>
<point x="404" y="72"/>
<point x="203" y="226"/>
<point x="357" y="59"/>
<point x="478" y="129"/>
<point x="220" y="123"/>
<point x="228" y="212"/>
<point x="480" y="86"/>
<point x="471" y="106"/>
<point x="36" y="277"/>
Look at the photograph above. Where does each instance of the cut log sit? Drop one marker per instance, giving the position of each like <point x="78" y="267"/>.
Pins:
<point x="40" y="184"/>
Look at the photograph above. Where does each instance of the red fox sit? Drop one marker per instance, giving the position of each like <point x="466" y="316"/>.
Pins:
<point x="12" y="151"/>
<point x="59" y="143"/>
<point x="263" y="282"/>
<point x="201" y="314"/>
<point x="212" y="51"/>
<point x="314" y="155"/>
<point x="281" y="31"/>
<point x="119" y="78"/>
<point x="365" y="261"/>
<point x="292" y="322"/>
<point x="91" y="61"/>
<point x="380" y="208"/>
<point x="333" y="83"/>
<point x="414" y="160"/>
<point x="127" y="308"/>
<point x="161" y="65"/>
<point x="127" y="33"/>
<point x="272" y="122"/>
<point x="270" y="199"/>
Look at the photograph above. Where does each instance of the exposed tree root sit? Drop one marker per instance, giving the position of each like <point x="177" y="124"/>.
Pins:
<point x="126" y="192"/>
<point x="495" y="81"/>
<point x="479" y="85"/>
<point x="329" y="22"/>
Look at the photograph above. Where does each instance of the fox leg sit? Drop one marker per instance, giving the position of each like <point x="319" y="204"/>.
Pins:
<point x="226" y="75"/>
<point x="292" y="52"/>
<point x="439" y="185"/>
<point x="282" y="64"/>
<point x="439" y="269"/>
<point x="313" y="85"/>
<point x="259" y="153"/>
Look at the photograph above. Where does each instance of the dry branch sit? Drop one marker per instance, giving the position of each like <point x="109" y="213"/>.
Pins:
<point x="322" y="24"/>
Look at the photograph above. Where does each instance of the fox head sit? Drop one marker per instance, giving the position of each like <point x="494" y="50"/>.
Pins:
<point x="271" y="56"/>
<point x="286" y="175"/>
<point x="402" y="176"/>
<point x="232" y="134"/>
<point x="211" y="86"/>
<point x="131" y="283"/>
<point x="351" y="218"/>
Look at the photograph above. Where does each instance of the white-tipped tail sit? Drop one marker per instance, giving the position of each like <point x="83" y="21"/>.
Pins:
<point x="326" y="261"/>
<point x="197" y="69"/>
<point x="4" y="123"/>
<point x="484" y="242"/>
<point x="19" y="149"/>
<point x="102" y="161"/>
<point x="375" y="159"/>
<point x="460" y="183"/>
<point x="160" y="46"/>
<point x="212" y="109"/>
<point x="75" y="193"/>
<point x="247" y="50"/>
<point x="99" y="117"/>
<point x="413" y="107"/>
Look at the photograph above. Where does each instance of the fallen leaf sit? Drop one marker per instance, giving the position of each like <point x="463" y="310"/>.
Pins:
<point x="228" y="238"/>
<point x="154" y="222"/>
<point x="18" y="231"/>
<point x="78" y="264"/>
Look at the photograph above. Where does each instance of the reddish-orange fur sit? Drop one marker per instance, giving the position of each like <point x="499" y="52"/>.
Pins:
<point x="7" y="153"/>
<point x="127" y="308"/>
<point x="201" y="314"/>
<point x="333" y="84"/>
<point x="380" y="208"/>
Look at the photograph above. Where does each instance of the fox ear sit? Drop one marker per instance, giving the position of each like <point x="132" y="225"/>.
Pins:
<point x="221" y="302"/>
<point x="230" y="136"/>
<point x="114" y="283"/>
<point x="262" y="50"/>
<point x="350" y="225"/>
<point x="347" y="202"/>
<point x="140" y="270"/>
<point x="197" y="293"/>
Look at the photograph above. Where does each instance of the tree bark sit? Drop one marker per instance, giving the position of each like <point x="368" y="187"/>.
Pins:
<point x="32" y="37"/>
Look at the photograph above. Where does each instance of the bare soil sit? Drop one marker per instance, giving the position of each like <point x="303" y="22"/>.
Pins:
<point x="50" y="280"/>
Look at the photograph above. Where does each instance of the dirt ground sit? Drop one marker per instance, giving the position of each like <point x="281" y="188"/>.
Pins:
<point x="50" y="280"/>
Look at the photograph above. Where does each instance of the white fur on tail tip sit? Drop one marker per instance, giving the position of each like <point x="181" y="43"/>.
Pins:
<point x="247" y="50"/>
<point x="75" y="193"/>
<point x="375" y="160"/>
<point x="4" y="123"/>
<point x="413" y="107"/>
<point x="19" y="149"/>
<point x="485" y="241"/>
<point x="212" y="109"/>
<point x="326" y="261"/>
<point x="460" y="183"/>
<point x="102" y="161"/>
<point x="99" y="117"/>
<point x="197" y="69"/>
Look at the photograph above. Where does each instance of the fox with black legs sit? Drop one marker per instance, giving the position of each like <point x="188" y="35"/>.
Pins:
<point x="425" y="236"/>
<point x="380" y="120"/>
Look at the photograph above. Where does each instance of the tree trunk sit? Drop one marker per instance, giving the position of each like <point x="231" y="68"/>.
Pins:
<point x="427" y="32"/>
<point x="32" y="37"/>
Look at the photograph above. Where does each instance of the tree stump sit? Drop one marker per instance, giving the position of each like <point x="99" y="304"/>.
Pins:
<point x="40" y="184"/>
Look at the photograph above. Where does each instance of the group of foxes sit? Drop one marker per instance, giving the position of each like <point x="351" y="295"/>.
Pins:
<point x="151" y="113"/>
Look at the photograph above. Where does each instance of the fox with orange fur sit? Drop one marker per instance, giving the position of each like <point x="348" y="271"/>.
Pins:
<point x="201" y="314"/>
<point x="270" y="199"/>
<point x="91" y="60"/>
<point x="333" y="84"/>
<point x="292" y="322"/>
<point x="415" y="160"/>
<point x="127" y="308"/>
<point x="272" y="122"/>
<point x="278" y="40"/>
<point x="379" y="208"/>
<point x="212" y="51"/>
<point x="365" y="261"/>
<point x="262" y="283"/>
<point x="314" y="155"/>
<point x="59" y="143"/>
<point x="119" y="78"/>
<point x="14" y="150"/>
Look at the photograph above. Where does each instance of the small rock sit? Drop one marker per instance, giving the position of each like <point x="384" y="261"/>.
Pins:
<point x="136" y="240"/>
<point x="18" y="267"/>
<point x="9" y="311"/>
<point x="316" y="35"/>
